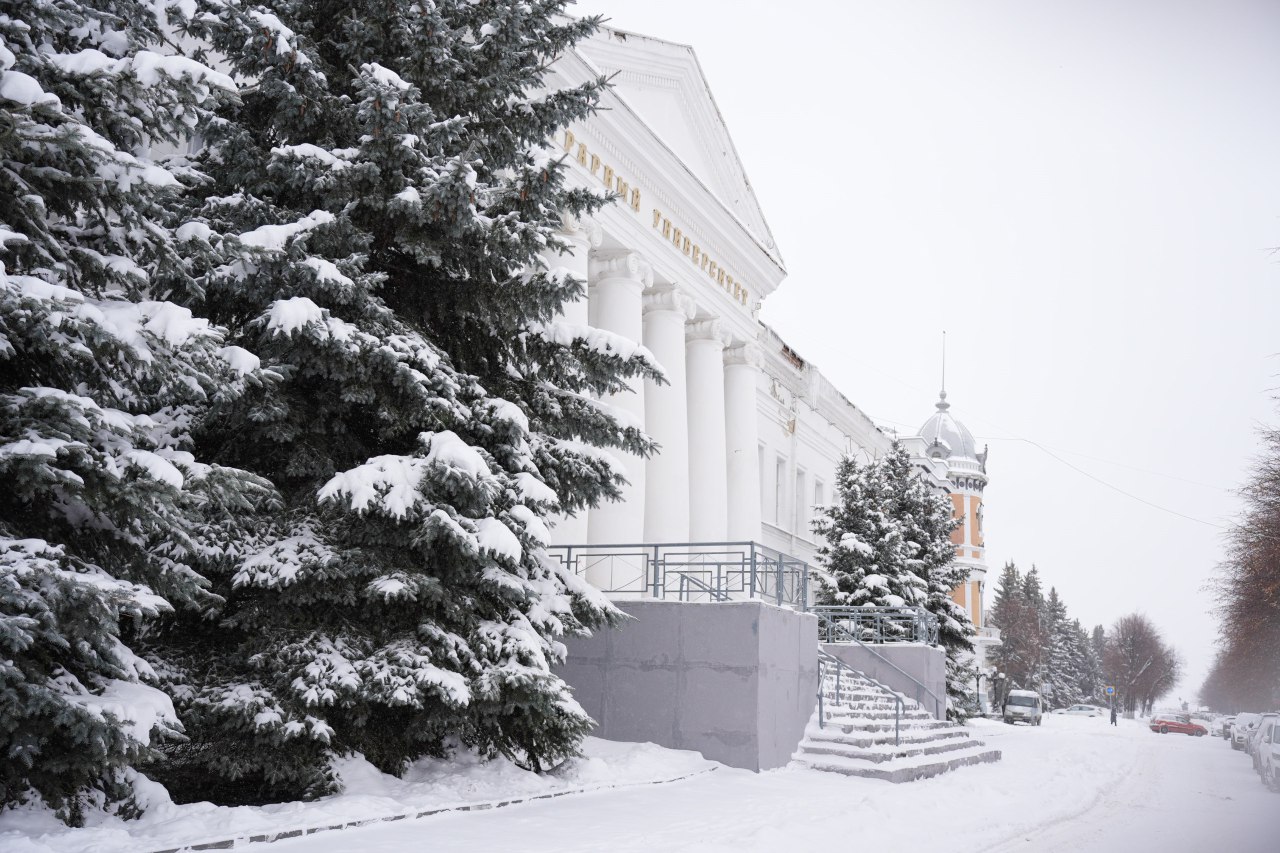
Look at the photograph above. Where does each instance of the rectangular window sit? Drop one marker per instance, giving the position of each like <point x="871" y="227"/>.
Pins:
<point x="764" y="491"/>
<point x="779" y="491"/>
<point x="819" y="495"/>
<point x="802" y="506"/>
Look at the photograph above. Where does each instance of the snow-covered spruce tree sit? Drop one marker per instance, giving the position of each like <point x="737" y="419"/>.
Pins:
<point x="888" y="544"/>
<point x="1062" y="663"/>
<point x="374" y="233"/>
<point x="99" y="379"/>
<point x="865" y="552"/>
<point x="1012" y="657"/>
<point x="927" y="521"/>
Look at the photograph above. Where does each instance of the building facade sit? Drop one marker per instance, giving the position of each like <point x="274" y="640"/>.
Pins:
<point x="750" y="432"/>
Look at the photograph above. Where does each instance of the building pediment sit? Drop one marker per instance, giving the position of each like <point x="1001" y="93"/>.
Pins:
<point x="664" y="85"/>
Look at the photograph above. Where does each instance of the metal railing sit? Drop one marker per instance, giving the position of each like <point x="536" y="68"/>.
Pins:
<point x="692" y="571"/>
<point x="829" y="664"/>
<point x="842" y="624"/>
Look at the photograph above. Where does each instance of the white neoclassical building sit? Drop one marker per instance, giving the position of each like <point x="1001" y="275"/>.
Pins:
<point x="750" y="432"/>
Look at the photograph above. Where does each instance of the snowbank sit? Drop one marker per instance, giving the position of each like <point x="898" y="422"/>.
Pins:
<point x="429" y="785"/>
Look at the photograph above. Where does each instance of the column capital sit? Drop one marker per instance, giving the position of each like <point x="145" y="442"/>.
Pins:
<point x="746" y="354"/>
<point x="619" y="264"/>
<point x="705" y="330"/>
<point x="582" y="233"/>
<point x="668" y="297"/>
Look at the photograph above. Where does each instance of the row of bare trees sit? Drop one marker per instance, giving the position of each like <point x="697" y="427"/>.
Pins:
<point x="1246" y="674"/>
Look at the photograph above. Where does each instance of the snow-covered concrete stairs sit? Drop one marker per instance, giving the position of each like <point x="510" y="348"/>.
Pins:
<point x="858" y="736"/>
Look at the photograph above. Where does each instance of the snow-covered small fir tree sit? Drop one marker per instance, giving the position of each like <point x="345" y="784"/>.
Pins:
<point x="888" y="544"/>
<point x="927" y="523"/>
<point x="865" y="551"/>
<point x="100" y="377"/>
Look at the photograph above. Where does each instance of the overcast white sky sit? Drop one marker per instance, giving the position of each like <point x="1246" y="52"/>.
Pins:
<point x="1084" y="196"/>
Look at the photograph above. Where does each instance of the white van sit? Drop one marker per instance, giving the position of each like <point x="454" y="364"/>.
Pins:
<point x="1023" y="706"/>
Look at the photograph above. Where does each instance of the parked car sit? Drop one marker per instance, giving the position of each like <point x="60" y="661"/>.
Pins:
<point x="1253" y="747"/>
<point x="1225" y="723"/>
<point x="1023" y="706"/>
<point x="1269" y="754"/>
<point x="1242" y="728"/>
<point x="1178" y="724"/>
<point x="1082" y="711"/>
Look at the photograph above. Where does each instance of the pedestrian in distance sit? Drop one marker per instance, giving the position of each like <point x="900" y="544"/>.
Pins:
<point x="1113" y="715"/>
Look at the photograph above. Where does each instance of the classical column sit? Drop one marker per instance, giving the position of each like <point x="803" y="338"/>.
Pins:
<point x="704" y="371"/>
<point x="742" y="440"/>
<point x="617" y="280"/>
<point x="583" y="236"/>
<point x="666" y="507"/>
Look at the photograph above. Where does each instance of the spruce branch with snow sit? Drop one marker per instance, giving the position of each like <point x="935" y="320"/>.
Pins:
<point x="101" y="378"/>
<point x="382" y="199"/>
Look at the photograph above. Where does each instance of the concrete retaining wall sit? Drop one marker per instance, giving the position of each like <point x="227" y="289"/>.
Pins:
<point x="735" y="681"/>
<point x="926" y="664"/>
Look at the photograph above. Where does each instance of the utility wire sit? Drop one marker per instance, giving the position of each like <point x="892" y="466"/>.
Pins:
<point x="1112" y="486"/>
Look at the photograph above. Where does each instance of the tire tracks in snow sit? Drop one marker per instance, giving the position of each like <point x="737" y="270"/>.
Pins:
<point x="1104" y="797"/>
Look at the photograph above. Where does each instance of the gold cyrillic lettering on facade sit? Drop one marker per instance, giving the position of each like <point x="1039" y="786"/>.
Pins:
<point x="631" y="195"/>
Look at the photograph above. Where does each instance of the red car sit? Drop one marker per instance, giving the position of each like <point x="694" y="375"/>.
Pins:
<point x="1177" y="723"/>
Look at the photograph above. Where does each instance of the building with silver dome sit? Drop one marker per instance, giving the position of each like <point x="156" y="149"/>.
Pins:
<point x="946" y="446"/>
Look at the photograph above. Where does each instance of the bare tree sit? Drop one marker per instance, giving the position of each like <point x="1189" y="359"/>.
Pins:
<point x="1246" y="673"/>
<point x="1139" y="663"/>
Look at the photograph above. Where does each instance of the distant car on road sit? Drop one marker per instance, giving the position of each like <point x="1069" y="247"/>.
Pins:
<point x="1254" y="745"/>
<point x="1023" y="706"/>
<point x="1082" y="711"/>
<point x="1242" y="728"/>
<point x="1268" y="760"/>
<point x="1178" y="724"/>
<point x="1225" y="723"/>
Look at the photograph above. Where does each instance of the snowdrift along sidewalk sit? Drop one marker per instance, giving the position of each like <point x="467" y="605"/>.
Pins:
<point x="430" y="787"/>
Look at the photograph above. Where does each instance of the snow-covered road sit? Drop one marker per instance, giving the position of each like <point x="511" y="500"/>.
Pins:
<point x="1072" y="784"/>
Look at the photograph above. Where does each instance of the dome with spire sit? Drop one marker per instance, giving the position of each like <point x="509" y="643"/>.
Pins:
<point x="947" y="438"/>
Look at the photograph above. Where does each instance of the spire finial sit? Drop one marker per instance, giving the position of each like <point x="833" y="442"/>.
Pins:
<point x="943" y="405"/>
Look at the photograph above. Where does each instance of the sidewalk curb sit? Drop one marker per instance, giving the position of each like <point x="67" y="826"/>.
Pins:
<point x="231" y="843"/>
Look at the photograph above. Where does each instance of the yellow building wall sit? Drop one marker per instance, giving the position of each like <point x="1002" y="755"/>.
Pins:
<point x="958" y="511"/>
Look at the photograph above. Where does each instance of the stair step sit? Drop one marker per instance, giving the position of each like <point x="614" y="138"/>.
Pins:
<point x="877" y="714"/>
<point x="904" y="769"/>
<point x="851" y="724"/>
<point x="881" y="753"/>
<point x="863" y="739"/>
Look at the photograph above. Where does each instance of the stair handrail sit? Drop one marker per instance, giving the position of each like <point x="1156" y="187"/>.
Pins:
<point x="717" y="595"/>
<point x="829" y="659"/>
<point x="937" y="703"/>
